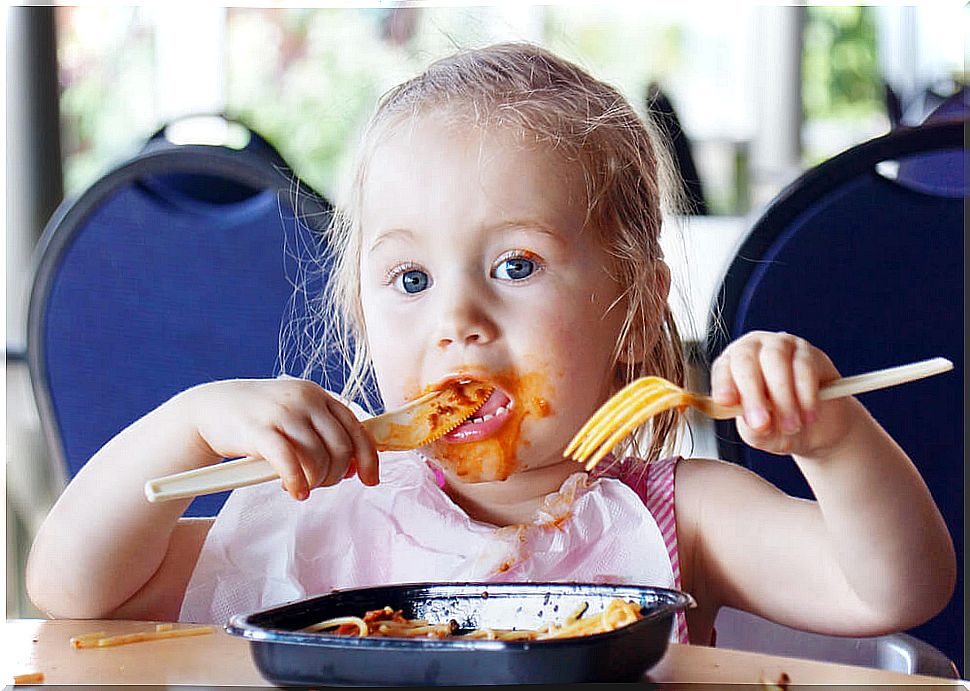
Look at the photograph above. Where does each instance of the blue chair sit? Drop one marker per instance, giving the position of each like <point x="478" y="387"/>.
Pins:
<point x="863" y="256"/>
<point x="939" y="173"/>
<point x="167" y="272"/>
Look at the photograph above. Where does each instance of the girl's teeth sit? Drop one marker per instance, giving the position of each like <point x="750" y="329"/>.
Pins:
<point x="501" y="410"/>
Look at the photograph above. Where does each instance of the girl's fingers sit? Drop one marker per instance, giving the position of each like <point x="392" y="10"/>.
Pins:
<point x="776" y="365"/>
<point x="777" y="378"/>
<point x="315" y="456"/>
<point x="806" y="380"/>
<point x="307" y="435"/>
<point x="339" y="445"/>
<point x="351" y="470"/>
<point x="747" y="377"/>
<point x="278" y="450"/>
<point x="722" y="386"/>
<point x="364" y="446"/>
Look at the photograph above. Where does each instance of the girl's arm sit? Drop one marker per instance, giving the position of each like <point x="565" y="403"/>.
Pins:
<point x="105" y="551"/>
<point x="871" y="555"/>
<point x="102" y="541"/>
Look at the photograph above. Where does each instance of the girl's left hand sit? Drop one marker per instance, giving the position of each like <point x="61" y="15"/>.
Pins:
<point x="775" y="377"/>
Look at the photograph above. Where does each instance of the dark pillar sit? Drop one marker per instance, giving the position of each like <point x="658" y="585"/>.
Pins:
<point x="34" y="173"/>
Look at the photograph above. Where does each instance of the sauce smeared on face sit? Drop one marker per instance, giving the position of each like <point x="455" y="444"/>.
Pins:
<point x="496" y="457"/>
<point x="456" y="400"/>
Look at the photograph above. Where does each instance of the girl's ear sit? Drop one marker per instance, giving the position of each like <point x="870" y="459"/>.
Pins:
<point x="645" y="328"/>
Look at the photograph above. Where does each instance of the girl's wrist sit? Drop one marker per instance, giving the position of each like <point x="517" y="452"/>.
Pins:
<point x="854" y="421"/>
<point x="184" y="411"/>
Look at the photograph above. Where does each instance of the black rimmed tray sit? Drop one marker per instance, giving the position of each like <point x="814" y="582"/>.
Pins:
<point x="287" y="656"/>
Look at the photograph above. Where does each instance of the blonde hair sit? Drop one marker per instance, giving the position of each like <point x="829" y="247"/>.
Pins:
<point x="628" y="180"/>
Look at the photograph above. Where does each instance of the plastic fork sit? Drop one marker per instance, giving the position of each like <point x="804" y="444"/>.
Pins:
<point x="413" y="425"/>
<point x="648" y="396"/>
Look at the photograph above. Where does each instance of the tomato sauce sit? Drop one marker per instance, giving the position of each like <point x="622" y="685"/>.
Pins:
<point x="496" y="457"/>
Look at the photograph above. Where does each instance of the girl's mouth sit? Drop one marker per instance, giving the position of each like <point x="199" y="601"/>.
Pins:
<point x="485" y="421"/>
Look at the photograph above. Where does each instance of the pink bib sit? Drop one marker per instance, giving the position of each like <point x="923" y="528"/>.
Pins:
<point x="266" y="549"/>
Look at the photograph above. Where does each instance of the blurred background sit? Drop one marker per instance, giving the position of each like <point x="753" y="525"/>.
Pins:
<point x="757" y="93"/>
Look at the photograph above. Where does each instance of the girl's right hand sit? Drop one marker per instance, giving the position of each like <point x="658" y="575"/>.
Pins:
<point x="309" y="437"/>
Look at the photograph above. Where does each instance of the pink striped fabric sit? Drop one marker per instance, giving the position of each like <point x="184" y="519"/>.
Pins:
<point x="654" y="484"/>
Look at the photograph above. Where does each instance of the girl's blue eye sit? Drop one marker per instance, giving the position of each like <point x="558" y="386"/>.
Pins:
<point x="413" y="281"/>
<point x="515" y="269"/>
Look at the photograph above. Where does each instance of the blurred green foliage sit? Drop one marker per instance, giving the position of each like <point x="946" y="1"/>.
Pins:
<point x="840" y="75"/>
<point x="106" y="58"/>
<point x="315" y="76"/>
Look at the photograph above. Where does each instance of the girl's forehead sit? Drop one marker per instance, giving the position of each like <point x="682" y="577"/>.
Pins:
<point x="431" y="149"/>
<point x="435" y="172"/>
<point x="448" y="131"/>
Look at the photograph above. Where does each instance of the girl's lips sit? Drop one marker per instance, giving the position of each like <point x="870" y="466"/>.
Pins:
<point x="485" y="421"/>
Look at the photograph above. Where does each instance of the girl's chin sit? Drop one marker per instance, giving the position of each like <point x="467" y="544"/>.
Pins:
<point x="477" y="479"/>
<point x="473" y="468"/>
<point x="483" y="462"/>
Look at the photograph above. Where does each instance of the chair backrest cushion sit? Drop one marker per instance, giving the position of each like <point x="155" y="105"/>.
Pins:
<point x="168" y="273"/>
<point x="871" y="272"/>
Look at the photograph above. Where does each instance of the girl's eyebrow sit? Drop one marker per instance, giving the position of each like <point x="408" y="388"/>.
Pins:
<point x="390" y="234"/>
<point x="528" y="225"/>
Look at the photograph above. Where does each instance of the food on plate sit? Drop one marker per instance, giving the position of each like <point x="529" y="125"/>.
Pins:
<point x="389" y="622"/>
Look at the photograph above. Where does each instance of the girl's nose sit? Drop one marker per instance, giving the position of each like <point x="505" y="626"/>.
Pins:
<point x="465" y="322"/>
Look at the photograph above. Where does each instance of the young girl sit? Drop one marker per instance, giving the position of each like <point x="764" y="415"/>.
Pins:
<point x="503" y="225"/>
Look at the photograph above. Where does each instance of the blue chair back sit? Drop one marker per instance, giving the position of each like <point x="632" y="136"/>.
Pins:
<point x="870" y="269"/>
<point x="171" y="270"/>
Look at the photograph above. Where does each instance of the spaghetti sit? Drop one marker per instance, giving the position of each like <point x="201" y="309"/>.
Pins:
<point x="99" y="639"/>
<point x="389" y="622"/>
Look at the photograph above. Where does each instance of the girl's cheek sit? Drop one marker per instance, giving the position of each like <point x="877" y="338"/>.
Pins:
<point x="396" y="376"/>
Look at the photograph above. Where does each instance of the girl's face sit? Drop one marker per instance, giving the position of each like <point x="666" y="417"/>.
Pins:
<point x="474" y="261"/>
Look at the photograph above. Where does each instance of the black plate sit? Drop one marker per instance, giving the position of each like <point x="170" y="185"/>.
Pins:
<point x="287" y="656"/>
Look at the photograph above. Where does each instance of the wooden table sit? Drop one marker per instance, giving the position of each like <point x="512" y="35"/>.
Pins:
<point x="218" y="659"/>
